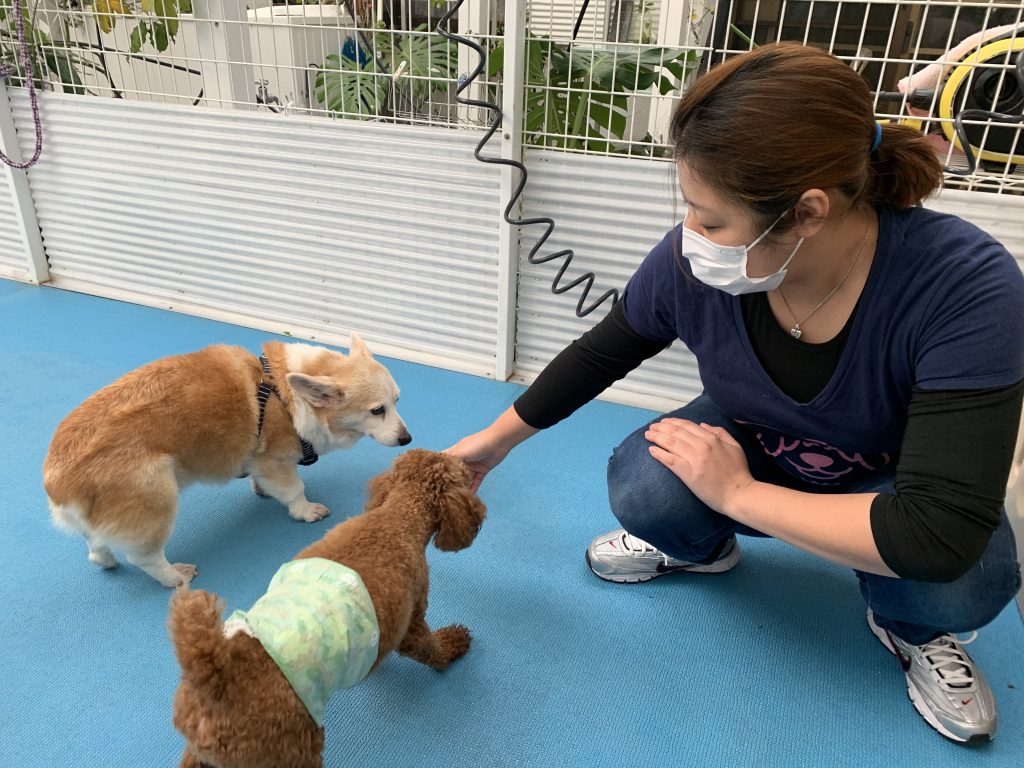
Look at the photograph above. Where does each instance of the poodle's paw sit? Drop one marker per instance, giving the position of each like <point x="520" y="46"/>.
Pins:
<point x="454" y="642"/>
<point x="179" y="575"/>
<point x="258" y="489"/>
<point x="308" y="511"/>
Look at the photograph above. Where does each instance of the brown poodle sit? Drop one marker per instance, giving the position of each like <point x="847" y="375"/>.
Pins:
<point x="235" y="705"/>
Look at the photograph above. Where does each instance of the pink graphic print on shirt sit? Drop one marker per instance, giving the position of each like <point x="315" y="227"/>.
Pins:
<point x="815" y="461"/>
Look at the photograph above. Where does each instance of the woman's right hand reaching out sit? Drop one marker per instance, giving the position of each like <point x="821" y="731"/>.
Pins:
<point x="480" y="453"/>
<point x="484" y="450"/>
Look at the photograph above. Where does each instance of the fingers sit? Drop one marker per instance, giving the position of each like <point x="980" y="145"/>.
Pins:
<point x="694" y="433"/>
<point x="477" y="470"/>
<point x="683" y="445"/>
<point x="671" y="460"/>
<point x="678" y="434"/>
<point x="672" y="438"/>
<point x="722" y="435"/>
<point x="677" y="427"/>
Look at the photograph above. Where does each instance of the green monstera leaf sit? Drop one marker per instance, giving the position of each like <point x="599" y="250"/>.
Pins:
<point x="430" y="60"/>
<point x="349" y="88"/>
<point x="420" y="62"/>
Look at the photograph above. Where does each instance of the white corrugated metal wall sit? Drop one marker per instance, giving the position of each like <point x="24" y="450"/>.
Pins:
<point x="610" y="212"/>
<point x="304" y="226"/>
<point x="13" y="260"/>
<point x="556" y="18"/>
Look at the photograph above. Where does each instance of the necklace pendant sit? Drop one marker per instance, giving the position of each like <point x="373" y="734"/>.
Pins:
<point x="795" y="332"/>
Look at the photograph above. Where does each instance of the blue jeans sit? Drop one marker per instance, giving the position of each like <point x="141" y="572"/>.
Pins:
<point x="651" y="503"/>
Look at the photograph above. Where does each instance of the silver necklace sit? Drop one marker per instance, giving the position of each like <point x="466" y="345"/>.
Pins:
<point x="795" y="331"/>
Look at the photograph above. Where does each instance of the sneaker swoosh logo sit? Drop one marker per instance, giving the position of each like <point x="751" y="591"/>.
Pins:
<point x="965" y="702"/>
<point x="905" y="661"/>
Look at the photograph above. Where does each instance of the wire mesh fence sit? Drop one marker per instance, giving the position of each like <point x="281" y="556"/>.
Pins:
<point x="930" y="64"/>
<point x="356" y="59"/>
<point x="600" y="77"/>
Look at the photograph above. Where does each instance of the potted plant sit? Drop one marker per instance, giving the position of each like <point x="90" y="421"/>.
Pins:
<point x="55" y="53"/>
<point x="578" y="95"/>
<point x="398" y="69"/>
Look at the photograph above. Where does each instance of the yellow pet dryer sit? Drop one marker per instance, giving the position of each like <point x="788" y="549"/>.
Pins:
<point x="987" y="85"/>
<point x="976" y="81"/>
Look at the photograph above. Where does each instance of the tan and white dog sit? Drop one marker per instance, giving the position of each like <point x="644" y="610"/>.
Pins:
<point x="117" y="462"/>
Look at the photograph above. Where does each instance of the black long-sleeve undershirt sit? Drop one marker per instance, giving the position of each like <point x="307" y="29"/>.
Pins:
<point x="585" y="369"/>
<point x="954" y="459"/>
<point x="950" y="481"/>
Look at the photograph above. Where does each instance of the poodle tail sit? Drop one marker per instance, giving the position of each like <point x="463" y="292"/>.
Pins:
<point x="197" y="632"/>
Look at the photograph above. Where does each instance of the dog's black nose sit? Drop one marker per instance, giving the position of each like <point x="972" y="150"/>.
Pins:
<point x="405" y="439"/>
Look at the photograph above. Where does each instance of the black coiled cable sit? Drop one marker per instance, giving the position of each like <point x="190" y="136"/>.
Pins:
<point x="587" y="279"/>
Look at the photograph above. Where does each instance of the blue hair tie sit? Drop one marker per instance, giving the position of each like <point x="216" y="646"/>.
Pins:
<point x="878" y="139"/>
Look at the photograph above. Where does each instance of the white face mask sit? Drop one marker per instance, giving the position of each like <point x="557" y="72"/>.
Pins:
<point x="725" y="266"/>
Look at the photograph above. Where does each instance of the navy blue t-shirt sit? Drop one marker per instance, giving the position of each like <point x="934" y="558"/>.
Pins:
<point x="942" y="309"/>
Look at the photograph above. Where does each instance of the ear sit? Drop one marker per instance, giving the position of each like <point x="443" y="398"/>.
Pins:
<point x="356" y="347"/>
<point x="378" y="489"/>
<point x="462" y="514"/>
<point x="811" y="211"/>
<point x="318" y="391"/>
<point x="197" y="633"/>
<point x="188" y="760"/>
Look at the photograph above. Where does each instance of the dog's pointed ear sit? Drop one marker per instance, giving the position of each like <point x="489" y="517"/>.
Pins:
<point x="318" y="391"/>
<point x="462" y="514"/>
<point x="197" y="632"/>
<point x="356" y="347"/>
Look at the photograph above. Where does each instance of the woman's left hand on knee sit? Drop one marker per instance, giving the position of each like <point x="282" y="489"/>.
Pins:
<point x="707" y="459"/>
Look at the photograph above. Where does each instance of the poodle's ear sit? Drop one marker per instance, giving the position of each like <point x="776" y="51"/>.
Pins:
<point x="197" y="632"/>
<point x="378" y="489"/>
<point x="188" y="760"/>
<point x="462" y="514"/>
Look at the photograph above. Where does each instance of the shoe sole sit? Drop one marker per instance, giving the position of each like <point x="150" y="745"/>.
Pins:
<point x="918" y="700"/>
<point x="727" y="563"/>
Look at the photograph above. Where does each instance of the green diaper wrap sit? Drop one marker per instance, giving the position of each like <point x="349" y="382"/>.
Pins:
<point x="317" y="622"/>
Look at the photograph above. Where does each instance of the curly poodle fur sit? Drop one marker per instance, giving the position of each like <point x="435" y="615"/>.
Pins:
<point x="235" y="707"/>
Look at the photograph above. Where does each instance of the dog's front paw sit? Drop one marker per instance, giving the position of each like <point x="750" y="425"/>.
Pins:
<point x="179" y="575"/>
<point x="454" y="642"/>
<point x="103" y="558"/>
<point x="308" y="511"/>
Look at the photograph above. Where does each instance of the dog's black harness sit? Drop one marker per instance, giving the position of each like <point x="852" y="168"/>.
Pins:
<point x="309" y="456"/>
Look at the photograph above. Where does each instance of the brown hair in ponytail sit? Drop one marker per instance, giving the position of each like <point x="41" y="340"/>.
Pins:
<point x="766" y="126"/>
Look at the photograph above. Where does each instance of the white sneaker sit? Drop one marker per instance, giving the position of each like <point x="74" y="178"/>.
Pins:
<point x="625" y="559"/>
<point x="945" y="685"/>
